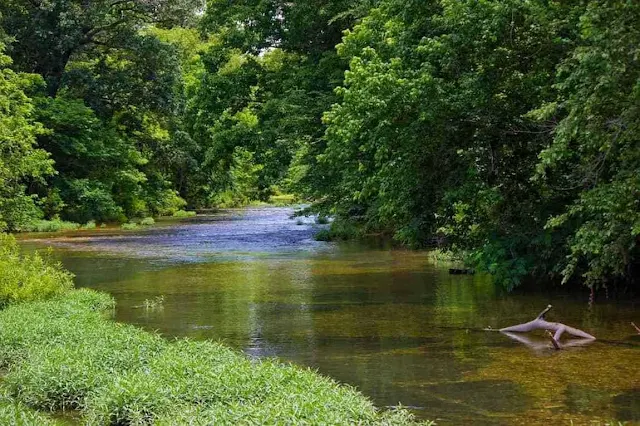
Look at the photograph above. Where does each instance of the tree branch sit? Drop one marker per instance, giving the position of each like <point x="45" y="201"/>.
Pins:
<point x="541" y="324"/>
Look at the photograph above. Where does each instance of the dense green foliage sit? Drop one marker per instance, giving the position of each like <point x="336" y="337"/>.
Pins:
<point x="503" y="130"/>
<point x="25" y="278"/>
<point x="21" y="162"/>
<point x="508" y="130"/>
<point x="66" y="354"/>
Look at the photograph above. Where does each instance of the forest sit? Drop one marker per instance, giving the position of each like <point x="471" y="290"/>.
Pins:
<point x="505" y="131"/>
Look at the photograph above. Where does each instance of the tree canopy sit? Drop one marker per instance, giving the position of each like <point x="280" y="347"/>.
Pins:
<point x="505" y="131"/>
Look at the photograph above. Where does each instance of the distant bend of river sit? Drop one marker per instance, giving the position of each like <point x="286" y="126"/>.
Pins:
<point x="392" y="323"/>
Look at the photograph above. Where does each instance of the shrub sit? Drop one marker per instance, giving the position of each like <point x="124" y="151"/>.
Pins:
<point x="89" y="225"/>
<point x="28" y="277"/>
<point x="129" y="226"/>
<point x="339" y="230"/>
<point x="55" y="225"/>
<point x="322" y="220"/>
<point x="147" y="221"/>
<point x="184" y="214"/>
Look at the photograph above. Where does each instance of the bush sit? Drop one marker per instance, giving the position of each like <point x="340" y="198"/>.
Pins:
<point x="339" y="230"/>
<point x="184" y="214"/>
<point x="129" y="226"/>
<point x="89" y="225"/>
<point x="322" y="220"/>
<point x="28" y="277"/>
<point x="147" y="221"/>
<point x="55" y="225"/>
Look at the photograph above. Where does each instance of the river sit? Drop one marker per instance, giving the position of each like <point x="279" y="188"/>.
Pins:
<point x="391" y="322"/>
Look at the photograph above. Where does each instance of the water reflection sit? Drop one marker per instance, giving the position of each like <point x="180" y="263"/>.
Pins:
<point x="390" y="322"/>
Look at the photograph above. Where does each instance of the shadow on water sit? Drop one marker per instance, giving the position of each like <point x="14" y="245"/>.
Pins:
<point x="390" y="322"/>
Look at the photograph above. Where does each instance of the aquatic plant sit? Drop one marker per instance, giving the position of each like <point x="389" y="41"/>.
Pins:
<point x="155" y="304"/>
<point x="439" y="255"/>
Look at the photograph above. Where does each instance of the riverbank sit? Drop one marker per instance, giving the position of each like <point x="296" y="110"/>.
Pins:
<point x="66" y="354"/>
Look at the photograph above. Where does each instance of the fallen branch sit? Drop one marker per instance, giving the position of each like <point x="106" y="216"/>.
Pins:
<point x="541" y="324"/>
<point x="636" y="327"/>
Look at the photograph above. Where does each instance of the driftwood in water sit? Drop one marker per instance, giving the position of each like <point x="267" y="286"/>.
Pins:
<point x="541" y="324"/>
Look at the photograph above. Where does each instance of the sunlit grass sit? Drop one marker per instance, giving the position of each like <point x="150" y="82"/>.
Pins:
<point x="147" y="221"/>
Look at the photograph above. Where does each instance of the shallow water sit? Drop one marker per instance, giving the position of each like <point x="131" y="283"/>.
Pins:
<point x="391" y="322"/>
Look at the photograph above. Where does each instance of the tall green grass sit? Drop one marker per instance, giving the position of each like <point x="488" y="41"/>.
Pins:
<point x="26" y="278"/>
<point x="65" y="353"/>
<point x="15" y="413"/>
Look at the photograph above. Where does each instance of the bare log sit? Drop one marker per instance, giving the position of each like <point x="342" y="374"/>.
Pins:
<point x="541" y="324"/>
<point x="636" y="327"/>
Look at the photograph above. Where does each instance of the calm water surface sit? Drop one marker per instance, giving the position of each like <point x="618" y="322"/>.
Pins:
<point x="393" y="323"/>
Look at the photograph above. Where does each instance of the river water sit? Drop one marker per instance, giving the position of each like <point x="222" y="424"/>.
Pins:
<point x="392" y="323"/>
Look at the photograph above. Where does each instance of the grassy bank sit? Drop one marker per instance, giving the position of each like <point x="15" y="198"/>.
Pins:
<point x="65" y="353"/>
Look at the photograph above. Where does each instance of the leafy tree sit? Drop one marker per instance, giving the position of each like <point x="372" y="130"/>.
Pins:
<point x="51" y="33"/>
<point x="595" y="153"/>
<point x="21" y="162"/>
<point x="449" y="105"/>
